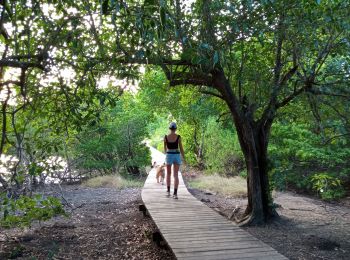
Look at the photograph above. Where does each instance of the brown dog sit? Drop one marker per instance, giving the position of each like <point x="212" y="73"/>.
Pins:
<point x="160" y="173"/>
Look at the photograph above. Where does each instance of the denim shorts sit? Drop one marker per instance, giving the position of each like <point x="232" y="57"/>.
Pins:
<point x="173" y="158"/>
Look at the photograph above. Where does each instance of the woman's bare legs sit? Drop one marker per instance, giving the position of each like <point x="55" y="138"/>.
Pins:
<point x="168" y="175"/>
<point x="176" y="177"/>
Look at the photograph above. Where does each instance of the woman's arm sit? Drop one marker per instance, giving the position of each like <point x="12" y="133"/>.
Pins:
<point x="181" y="149"/>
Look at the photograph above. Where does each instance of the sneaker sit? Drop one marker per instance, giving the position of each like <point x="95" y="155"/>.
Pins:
<point x="175" y="196"/>
<point x="168" y="193"/>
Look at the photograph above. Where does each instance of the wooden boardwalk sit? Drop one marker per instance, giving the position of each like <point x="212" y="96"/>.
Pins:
<point x="194" y="231"/>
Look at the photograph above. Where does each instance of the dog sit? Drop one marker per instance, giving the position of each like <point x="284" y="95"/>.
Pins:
<point x="160" y="170"/>
<point x="154" y="164"/>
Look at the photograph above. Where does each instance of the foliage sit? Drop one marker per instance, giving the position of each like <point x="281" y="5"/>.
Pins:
<point x="221" y="149"/>
<point x="328" y="187"/>
<point x="116" y="141"/>
<point x="298" y="155"/>
<point x="49" y="92"/>
<point x="256" y="57"/>
<point x="22" y="211"/>
<point x="157" y="129"/>
<point x="184" y="105"/>
<point x="296" y="147"/>
<point x="296" y="143"/>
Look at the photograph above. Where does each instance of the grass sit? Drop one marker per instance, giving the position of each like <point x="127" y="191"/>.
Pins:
<point x="113" y="181"/>
<point x="232" y="187"/>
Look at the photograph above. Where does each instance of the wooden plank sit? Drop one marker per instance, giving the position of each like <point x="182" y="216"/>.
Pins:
<point x="202" y="230"/>
<point x="194" y="247"/>
<point x="230" y="254"/>
<point x="259" y="256"/>
<point x="215" y="228"/>
<point x="239" y="251"/>
<point x="196" y="225"/>
<point x="198" y="248"/>
<point x="195" y="231"/>
<point x="194" y="215"/>
<point x="191" y="223"/>
<point x="216" y="239"/>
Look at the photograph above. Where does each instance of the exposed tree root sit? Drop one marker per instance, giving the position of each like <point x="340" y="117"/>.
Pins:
<point x="251" y="220"/>
<point x="256" y="220"/>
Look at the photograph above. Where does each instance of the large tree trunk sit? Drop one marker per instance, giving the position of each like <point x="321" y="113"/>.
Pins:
<point x="254" y="146"/>
<point x="253" y="137"/>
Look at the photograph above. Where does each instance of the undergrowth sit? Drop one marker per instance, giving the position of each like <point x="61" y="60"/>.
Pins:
<point x="113" y="181"/>
<point x="227" y="186"/>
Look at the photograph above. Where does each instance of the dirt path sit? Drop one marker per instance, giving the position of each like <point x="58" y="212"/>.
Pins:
<point x="106" y="225"/>
<point x="307" y="229"/>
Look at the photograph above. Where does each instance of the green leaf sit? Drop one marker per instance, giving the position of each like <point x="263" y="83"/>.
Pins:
<point x="2" y="39"/>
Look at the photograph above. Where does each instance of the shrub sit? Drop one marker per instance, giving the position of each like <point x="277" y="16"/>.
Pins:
<point x="328" y="187"/>
<point x="21" y="212"/>
<point x="298" y="155"/>
<point x="117" y="141"/>
<point x="222" y="152"/>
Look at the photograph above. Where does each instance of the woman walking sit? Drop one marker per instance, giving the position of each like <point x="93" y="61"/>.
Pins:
<point x="173" y="148"/>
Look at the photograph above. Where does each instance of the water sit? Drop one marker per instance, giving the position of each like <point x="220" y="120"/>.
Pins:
<point x="7" y="162"/>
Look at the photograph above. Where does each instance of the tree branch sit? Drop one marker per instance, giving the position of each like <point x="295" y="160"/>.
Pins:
<point x="291" y="97"/>
<point x="212" y="94"/>
<point x="288" y="75"/>
<point x="157" y="62"/>
<point x="4" y="120"/>
<point x="8" y="82"/>
<point x="222" y="115"/>
<point x="324" y="54"/>
<point x="196" y="82"/>
<point x="320" y="92"/>
<point x="20" y="57"/>
<point x="187" y="78"/>
<point x="18" y="64"/>
<point x="335" y="137"/>
<point x="336" y="110"/>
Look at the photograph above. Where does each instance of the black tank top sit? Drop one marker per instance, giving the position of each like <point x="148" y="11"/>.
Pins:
<point x="172" y="145"/>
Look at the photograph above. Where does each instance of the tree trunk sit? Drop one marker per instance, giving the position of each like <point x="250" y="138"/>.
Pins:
<point x="253" y="138"/>
<point x="254" y="147"/>
<point x="198" y="146"/>
<point x="133" y="170"/>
